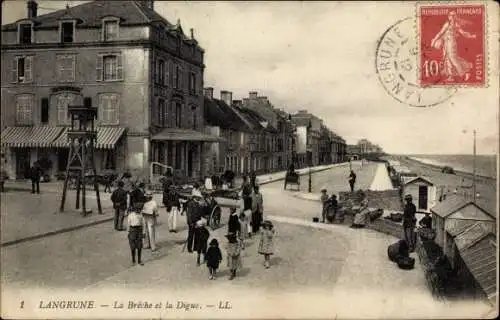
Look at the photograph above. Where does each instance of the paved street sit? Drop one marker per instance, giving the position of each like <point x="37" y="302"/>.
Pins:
<point x="331" y="264"/>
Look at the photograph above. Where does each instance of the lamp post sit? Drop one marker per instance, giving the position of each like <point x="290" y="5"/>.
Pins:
<point x="310" y="172"/>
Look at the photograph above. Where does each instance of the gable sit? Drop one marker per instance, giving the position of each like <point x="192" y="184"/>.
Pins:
<point x="419" y="181"/>
<point x="471" y="212"/>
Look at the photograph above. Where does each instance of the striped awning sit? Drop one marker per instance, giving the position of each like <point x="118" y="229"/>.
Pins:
<point x="30" y="137"/>
<point x="107" y="137"/>
<point x="177" y="134"/>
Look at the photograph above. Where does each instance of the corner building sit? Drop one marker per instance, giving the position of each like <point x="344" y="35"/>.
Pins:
<point x="143" y="74"/>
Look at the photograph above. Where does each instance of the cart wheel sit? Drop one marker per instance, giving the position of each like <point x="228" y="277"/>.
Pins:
<point x="215" y="216"/>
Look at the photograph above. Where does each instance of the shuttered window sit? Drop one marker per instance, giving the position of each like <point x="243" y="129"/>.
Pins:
<point x="109" y="107"/>
<point x="109" y="67"/>
<point x="64" y="100"/>
<point x="22" y="69"/>
<point x="66" y="65"/>
<point x="24" y="109"/>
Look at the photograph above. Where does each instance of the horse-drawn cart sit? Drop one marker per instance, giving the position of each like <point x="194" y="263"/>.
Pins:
<point x="292" y="178"/>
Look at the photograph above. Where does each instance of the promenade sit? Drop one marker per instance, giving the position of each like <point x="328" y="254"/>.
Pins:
<point x="325" y="270"/>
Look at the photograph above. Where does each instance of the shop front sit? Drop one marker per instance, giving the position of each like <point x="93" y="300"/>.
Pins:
<point x="183" y="150"/>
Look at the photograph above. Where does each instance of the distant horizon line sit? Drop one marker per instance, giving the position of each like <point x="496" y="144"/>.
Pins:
<point x="442" y="154"/>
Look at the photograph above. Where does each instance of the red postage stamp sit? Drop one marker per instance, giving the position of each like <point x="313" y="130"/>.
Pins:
<point x="452" y="45"/>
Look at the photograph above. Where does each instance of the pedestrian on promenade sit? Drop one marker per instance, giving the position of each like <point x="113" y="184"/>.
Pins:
<point x="171" y="201"/>
<point x="136" y="232"/>
<point x="244" y="220"/>
<point x="266" y="245"/>
<point x="234" y="226"/>
<point x="246" y="194"/>
<point x="150" y="213"/>
<point x="35" y="175"/>
<point x="257" y="209"/>
<point x="233" y="250"/>
<point x="128" y="186"/>
<point x="332" y="206"/>
<point x="253" y="179"/>
<point x="193" y="214"/>
<point x="201" y="240"/>
<point x="409" y="222"/>
<point x="119" y="199"/>
<point x="352" y="180"/>
<point x="137" y="196"/>
<point x="213" y="258"/>
<point x="324" y="202"/>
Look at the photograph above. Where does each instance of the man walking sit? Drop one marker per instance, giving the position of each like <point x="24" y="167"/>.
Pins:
<point x="409" y="222"/>
<point x="119" y="199"/>
<point x="193" y="214"/>
<point x="172" y="204"/>
<point x="35" y="175"/>
<point x="150" y="212"/>
<point x="352" y="180"/>
<point x="137" y="196"/>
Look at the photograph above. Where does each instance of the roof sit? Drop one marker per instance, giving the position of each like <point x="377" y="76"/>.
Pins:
<point x="251" y="117"/>
<point x="92" y="12"/>
<point x="416" y="179"/>
<point x="455" y="203"/>
<point x="218" y="113"/>
<point x="177" y="134"/>
<point x="481" y="260"/>
<point x="456" y="227"/>
<point x="301" y="121"/>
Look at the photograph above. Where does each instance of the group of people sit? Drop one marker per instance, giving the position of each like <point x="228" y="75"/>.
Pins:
<point x="141" y="211"/>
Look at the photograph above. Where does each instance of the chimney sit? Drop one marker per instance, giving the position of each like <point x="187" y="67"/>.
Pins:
<point x="209" y="92"/>
<point x="227" y="97"/>
<point x="238" y="103"/>
<point x="32" y="9"/>
<point x="252" y="94"/>
<point x="192" y="33"/>
<point x="147" y="3"/>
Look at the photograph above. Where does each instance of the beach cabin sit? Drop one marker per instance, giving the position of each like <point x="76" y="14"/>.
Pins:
<point x="455" y="215"/>
<point x="475" y="261"/>
<point x="422" y="190"/>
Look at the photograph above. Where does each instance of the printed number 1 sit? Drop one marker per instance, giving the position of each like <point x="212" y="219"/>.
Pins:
<point x="431" y="68"/>
<point x="22" y="304"/>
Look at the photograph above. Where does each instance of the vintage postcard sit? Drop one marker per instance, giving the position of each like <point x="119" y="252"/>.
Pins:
<point x="249" y="160"/>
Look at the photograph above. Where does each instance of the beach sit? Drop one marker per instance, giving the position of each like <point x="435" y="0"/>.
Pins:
<point x="462" y="181"/>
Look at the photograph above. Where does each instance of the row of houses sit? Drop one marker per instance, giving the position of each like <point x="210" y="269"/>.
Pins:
<point x="146" y="77"/>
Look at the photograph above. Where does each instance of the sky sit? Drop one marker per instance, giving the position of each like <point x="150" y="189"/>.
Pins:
<point x="320" y="56"/>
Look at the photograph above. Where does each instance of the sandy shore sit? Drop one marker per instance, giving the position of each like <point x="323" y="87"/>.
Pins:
<point x="462" y="181"/>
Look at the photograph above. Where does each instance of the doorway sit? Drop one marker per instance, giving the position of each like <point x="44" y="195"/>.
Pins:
<point x="22" y="163"/>
<point x="62" y="159"/>
<point x="422" y="197"/>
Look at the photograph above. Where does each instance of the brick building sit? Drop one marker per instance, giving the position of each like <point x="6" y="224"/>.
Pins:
<point x="143" y="74"/>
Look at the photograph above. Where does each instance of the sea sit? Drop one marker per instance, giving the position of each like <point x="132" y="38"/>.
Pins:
<point x="486" y="165"/>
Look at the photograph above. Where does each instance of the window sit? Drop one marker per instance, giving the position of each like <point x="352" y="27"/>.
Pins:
<point x="160" y="72"/>
<point x="178" y="115"/>
<point x="110" y="30"/>
<point x="192" y="83"/>
<point x="177" y="77"/>
<point x="64" y="100"/>
<point x="109" y="104"/>
<point x="66" y="68"/>
<point x="67" y="32"/>
<point x="25" y="33"/>
<point x="44" y="112"/>
<point x="195" y="117"/>
<point x="167" y="73"/>
<point x="24" y="109"/>
<point x="109" y="67"/>
<point x="22" y="69"/>
<point x="162" y="112"/>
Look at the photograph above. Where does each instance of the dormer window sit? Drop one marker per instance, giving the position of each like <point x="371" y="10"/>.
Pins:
<point x="25" y="31"/>
<point x="67" y="31"/>
<point x="110" y="29"/>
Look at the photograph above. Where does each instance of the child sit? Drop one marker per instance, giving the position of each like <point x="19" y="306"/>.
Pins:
<point x="234" y="226"/>
<point x="266" y="245"/>
<point x="213" y="258"/>
<point x="136" y="232"/>
<point x="324" y="202"/>
<point x="233" y="249"/>
<point x="201" y="238"/>
<point x="244" y="220"/>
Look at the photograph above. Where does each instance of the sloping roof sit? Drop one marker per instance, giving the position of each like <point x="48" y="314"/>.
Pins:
<point x="455" y="203"/>
<point x="481" y="260"/>
<point x="301" y="121"/>
<point x="458" y="226"/>
<point x="253" y="118"/>
<point x="91" y="14"/>
<point x="416" y="179"/>
<point x="471" y="235"/>
<point x="218" y="113"/>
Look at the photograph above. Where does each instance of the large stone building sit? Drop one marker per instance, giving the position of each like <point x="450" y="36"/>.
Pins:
<point x="143" y="74"/>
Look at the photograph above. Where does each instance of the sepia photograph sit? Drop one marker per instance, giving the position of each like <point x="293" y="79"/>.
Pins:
<point x="249" y="159"/>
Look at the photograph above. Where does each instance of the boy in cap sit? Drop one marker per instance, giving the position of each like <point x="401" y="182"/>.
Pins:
<point x="136" y="232"/>
<point x="409" y="222"/>
<point x="233" y="250"/>
<point x="324" y="202"/>
<point x="201" y="239"/>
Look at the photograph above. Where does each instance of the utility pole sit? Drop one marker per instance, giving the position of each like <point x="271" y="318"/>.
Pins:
<point x="474" y="170"/>
<point x="310" y="173"/>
